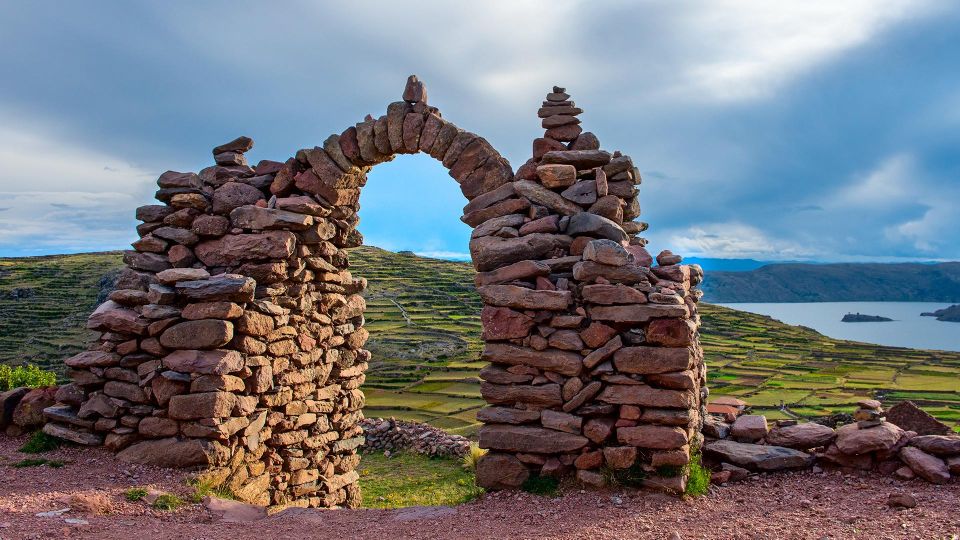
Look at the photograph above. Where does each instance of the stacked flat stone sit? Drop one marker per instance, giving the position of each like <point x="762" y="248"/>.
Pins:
<point x="234" y="341"/>
<point x="594" y="352"/>
<point x="234" y="338"/>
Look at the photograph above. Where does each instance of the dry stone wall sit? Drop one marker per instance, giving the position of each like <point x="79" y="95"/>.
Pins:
<point x="234" y="341"/>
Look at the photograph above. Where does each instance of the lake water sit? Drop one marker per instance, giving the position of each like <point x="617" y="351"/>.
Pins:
<point x="908" y="328"/>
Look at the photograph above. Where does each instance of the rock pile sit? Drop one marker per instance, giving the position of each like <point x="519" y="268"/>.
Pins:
<point x="869" y="444"/>
<point x="594" y="351"/>
<point x="234" y="340"/>
<point x="21" y="409"/>
<point x="394" y="435"/>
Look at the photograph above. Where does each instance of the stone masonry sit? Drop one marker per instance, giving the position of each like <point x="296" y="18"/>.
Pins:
<point x="234" y="341"/>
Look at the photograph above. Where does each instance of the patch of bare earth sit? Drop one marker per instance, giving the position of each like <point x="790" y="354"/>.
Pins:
<point x="796" y="505"/>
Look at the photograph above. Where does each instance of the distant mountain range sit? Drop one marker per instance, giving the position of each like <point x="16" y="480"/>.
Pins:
<point x="839" y="282"/>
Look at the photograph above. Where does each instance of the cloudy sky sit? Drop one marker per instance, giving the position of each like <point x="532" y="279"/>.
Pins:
<point x="774" y="130"/>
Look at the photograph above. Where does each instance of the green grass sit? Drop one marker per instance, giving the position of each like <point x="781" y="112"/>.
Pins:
<point x="135" y="494"/>
<point x="39" y="442"/>
<point x="167" y="502"/>
<point x="37" y="462"/>
<point x="406" y="479"/>
<point x="698" y="476"/>
<point x="204" y="486"/>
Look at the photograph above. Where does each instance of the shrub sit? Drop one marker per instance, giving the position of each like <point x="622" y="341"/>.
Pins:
<point x="203" y="486"/>
<point x="135" y="494"/>
<point x="167" y="502"/>
<point x="698" y="481"/>
<point x="30" y="376"/>
<point x="39" y="442"/>
<point x="541" y="485"/>
<point x="473" y="456"/>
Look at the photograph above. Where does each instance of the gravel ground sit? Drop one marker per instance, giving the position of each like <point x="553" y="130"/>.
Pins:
<point x="796" y="505"/>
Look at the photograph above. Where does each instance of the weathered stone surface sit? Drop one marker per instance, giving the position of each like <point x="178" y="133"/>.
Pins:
<point x="211" y="310"/>
<point x="529" y="439"/>
<point x="78" y="436"/>
<point x="585" y="223"/>
<point x="222" y="288"/>
<point x="584" y="193"/>
<point x="605" y="251"/>
<point x="749" y="428"/>
<point x="560" y="421"/>
<point x="940" y="445"/>
<point x="523" y="298"/>
<point x="257" y="218"/>
<point x="853" y="440"/>
<point x="757" y="457"/>
<point x="511" y="272"/>
<point x="930" y="468"/>
<point x="202" y="405"/>
<point x="538" y="194"/>
<point x="645" y="396"/>
<point x="636" y="313"/>
<point x="506" y="415"/>
<point x="233" y="195"/>
<point x="88" y="359"/>
<point x="201" y="334"/>
<point x="801" y="436"/>
<point x="491" y="252"/>
<point x="588" y="271"/>
<point x="654" y="437"/>
<point x="246" y="247"/>
<point x="612" y="294"/>
<point x="563" y="362"/>
<point x="581" y="159"/>
<point x="909" y="417"/>
<point x="557" y="176"/>
<point x="671" y="332"/>
<point x="112" y="317"/>
<point x="501" y="471"/>
<point x="208" y="362"/>
<point x="545" y="396"/>
<point x="171" y="452"/>
<point x="505" y="323"/>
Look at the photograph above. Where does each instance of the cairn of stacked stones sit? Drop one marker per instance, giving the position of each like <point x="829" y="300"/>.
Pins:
<point x="594" y="352"/>
<point x="234" y="340"/>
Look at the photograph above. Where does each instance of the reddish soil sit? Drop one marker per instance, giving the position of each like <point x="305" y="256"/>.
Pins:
<point x="796" y="505"/>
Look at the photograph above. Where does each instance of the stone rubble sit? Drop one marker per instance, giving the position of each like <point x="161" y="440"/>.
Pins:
<point x="392" y="435"/>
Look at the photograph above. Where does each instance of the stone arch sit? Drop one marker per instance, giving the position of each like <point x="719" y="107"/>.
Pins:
<point x="234" y="341"/>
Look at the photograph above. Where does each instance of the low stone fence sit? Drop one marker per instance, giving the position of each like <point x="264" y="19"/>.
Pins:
<point x="392" y="435"/>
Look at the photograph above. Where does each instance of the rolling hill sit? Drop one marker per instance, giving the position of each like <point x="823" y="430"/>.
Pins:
<point x="864" y="282"/>
<point x="423" y="317"/>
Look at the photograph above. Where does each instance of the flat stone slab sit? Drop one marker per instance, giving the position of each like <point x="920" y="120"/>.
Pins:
<point x="759" y="457"/>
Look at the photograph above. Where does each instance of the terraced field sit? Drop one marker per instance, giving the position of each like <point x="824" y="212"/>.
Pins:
<point x="423" y="318"/>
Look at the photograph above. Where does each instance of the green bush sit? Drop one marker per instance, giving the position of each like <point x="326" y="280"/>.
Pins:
<point x="632" y="476"/>
<point x="135" y="494"/>
<point x="167" y="501"/>
<point x="30" y="376"/>
<point x="699" y="480"/>
<point x="39" y="442"/>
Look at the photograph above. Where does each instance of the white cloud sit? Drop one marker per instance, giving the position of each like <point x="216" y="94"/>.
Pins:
<point x="731" y="240"/>
<point x="891" y="183"/>
<point x="59" y="196"/>
<point x="449" y="255"/>
<point x="751" y="48"/>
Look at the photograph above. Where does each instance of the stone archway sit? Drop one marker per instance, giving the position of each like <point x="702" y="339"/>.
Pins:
<point x="234" y="341"/>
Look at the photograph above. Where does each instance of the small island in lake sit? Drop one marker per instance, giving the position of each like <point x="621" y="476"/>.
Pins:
<point x="859" y="317"/>
<point x="949" y="314"/>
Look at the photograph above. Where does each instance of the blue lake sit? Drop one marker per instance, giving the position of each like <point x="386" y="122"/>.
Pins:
<point x="908" y="328"/>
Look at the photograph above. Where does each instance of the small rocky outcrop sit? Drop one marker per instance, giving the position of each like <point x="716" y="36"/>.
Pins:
<point x="860" y="317"/>
<point x="948" y="314"/>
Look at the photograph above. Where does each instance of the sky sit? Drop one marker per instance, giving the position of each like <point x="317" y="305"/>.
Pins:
<point x="788" y="130"/>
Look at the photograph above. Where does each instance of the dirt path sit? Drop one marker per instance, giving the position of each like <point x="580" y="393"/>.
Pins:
<point x="782" y="506"/>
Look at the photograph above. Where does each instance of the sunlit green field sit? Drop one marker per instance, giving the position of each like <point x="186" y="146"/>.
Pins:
<point x="423" y="317"/>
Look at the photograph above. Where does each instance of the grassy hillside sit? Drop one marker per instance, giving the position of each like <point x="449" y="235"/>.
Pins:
<point x="909" y="282"/>
<point x="423" y="318"/>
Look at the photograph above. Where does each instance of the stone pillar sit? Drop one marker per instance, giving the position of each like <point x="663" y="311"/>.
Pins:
<point x="594" y="352"/>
